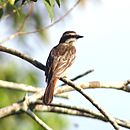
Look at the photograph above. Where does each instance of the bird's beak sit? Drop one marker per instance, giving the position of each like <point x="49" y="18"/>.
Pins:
<point x="78" y="36"/>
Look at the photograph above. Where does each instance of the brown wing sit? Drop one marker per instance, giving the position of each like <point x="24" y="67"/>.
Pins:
<point x="60" y="58"/>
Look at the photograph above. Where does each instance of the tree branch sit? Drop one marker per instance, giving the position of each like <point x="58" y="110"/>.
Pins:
<point x="66" y="88"/>
<point x="22" y="56"/>
<point x="106" y="114"/>
<point x="9" y="110"/>
<point x="25" y="88"/>
<point x="58" y="108"/>
<point x="96" y="84"/>
<point x="78" y="111"/>
<point x="38" y="120"/>
<point x="18" y="86"/>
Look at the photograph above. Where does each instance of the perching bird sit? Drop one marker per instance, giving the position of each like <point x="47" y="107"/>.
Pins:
<point x="60" y="58"/>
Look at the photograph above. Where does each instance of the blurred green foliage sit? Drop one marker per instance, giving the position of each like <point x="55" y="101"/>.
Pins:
<point x="24" y="122"/>
<point x="29" y="17"/>
<point x="1" y="12"/>
<point x="58" y="122"/>
<point x="49" y="6"/>
<point x="10" y="71"/>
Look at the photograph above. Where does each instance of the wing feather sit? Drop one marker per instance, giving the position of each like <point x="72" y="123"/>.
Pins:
<point x="60" y="58"/>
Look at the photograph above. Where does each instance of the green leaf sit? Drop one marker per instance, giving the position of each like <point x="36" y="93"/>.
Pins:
<point x="1" y="13"/>
<point x="48" y="1"/>
<point x="58" y="2"/>
<point x="11" y="2"/>
<point x="49" y="4"/>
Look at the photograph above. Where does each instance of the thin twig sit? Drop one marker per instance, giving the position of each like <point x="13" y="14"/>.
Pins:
<point x="41" y="29"/>
<point x="26" y="17"/>
<point x="80" y="76"/>
<point x="38" y="120"/>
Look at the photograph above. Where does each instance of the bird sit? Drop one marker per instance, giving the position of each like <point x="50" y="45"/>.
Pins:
<point x="60" y="58"/>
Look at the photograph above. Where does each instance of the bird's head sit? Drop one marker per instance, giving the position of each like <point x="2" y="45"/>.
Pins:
<point x="69" y="37"/>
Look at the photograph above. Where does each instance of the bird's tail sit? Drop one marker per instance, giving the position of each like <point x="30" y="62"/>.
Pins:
<point x="48" y="95"/>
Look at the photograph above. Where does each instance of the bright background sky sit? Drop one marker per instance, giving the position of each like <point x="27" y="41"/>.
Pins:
<point x="105" y="25"/>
